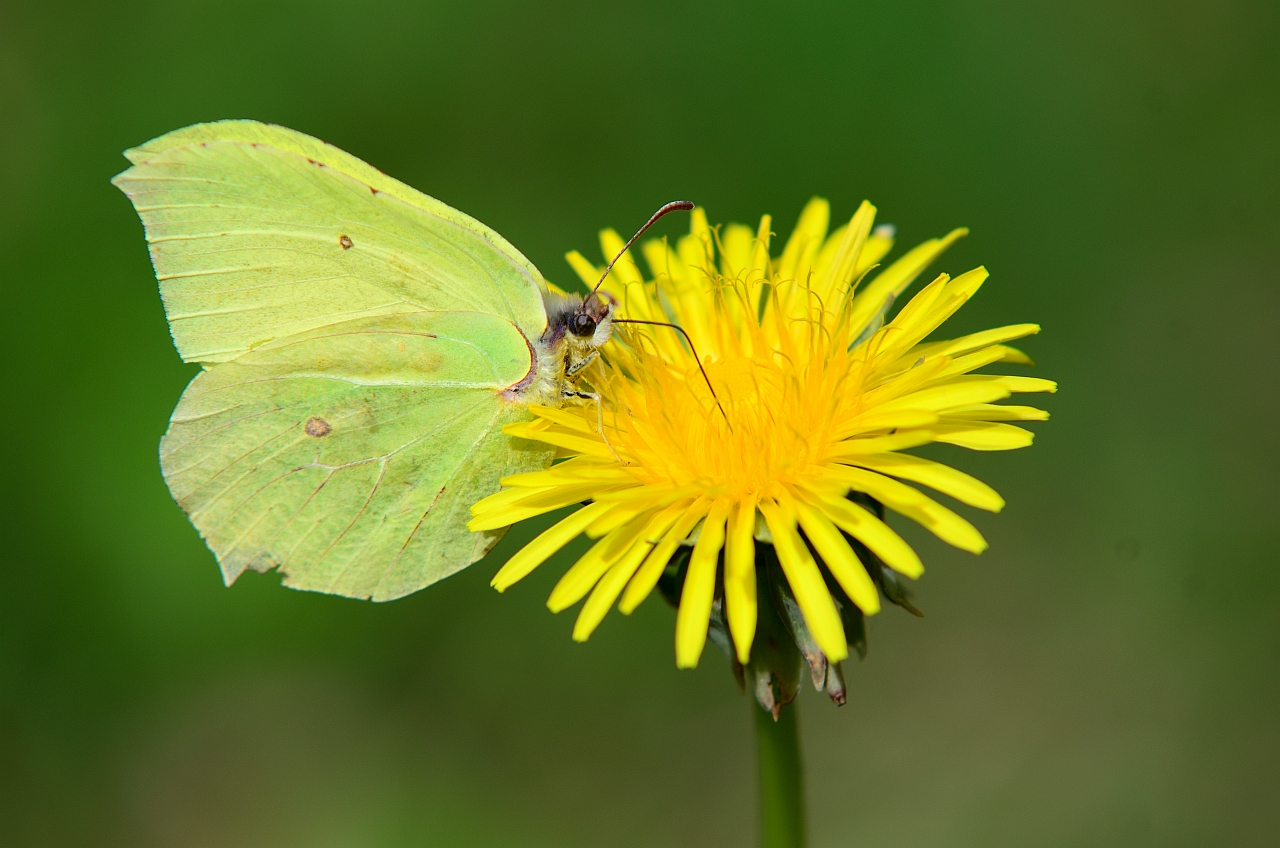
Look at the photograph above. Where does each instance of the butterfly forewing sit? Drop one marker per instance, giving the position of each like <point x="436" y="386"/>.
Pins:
<point x="348" y="457"/>
<point x="258" y="232"/>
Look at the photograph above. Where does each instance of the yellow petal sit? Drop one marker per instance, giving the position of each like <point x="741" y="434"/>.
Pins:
<point x="623" y="513"/>
<point x="821" y="263"/>
<point x="997" y="412"/>
<point x="967" y="284"/>
<point x="898" y="383"/>
<point x="503" y="499"/>
<point x="564" y="418"/>
<point x="756" y="277"/>
<point x="699" y="588"/>
<point x="494" y="512"/>
<point x="759" y="267"/>
<point x="983" y="436"/>
<point x="944" y="478"/>
<point x="740" y="578"/>
<point x="878" y="245"/>
<point x="962" y="365"/>
<point x="911" y="330"/>
<point x="652" y="496"/>
<point x="1014" y="356"/>
<point x="870" y="531"/>
<point x="579" y="579"/>
<point x="940" y="398"/>
<point x="877" y="419"/>
<point x="693" y="311"/>
<point x="806" y="238"/>
<point x="841" y="272"/>
<point x="919" y="306"/>
<point x="839" y="557"/>
<point x="554" y="497"/>
<point x="526" y="429"/>
<point x="591" y="446"/>
<point x="1017" y="385"/>
<point x="810" y="590"/>
<point x="613" y="582"/>
<point x="625" y="269"/>
<point x="678" y="292"/>
<point x="893" y="280"/>
<point x="647" y="577"/>
<point x="545" y="544"/>
<point x="566" y="473"/>
<point x="497" y="519"/>
<point x="627" y="285"/>
<point x="877" y="444"/>
<point x="698" y="249"/>
<point x="586" y="271"/>
<point x="974" y="341"/>
<point x="735" y="244"/>
<point x="914" y="504"/>
<point x="663" y="263"/>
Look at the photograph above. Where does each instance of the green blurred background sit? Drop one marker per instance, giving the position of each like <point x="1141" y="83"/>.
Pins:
<point x="1107" y="674"/>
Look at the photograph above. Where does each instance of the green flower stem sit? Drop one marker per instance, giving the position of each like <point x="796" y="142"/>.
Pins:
<point x="781" y="779"/>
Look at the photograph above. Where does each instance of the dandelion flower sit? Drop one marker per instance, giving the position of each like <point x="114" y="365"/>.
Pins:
<point x="776" y="421"/>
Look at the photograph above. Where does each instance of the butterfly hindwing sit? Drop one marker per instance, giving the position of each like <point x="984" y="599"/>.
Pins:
<point x="348" y="456"/>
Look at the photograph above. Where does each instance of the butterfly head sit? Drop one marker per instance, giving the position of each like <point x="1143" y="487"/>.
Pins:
<point x="576" y="325"/>
<point x="591" y="323"/>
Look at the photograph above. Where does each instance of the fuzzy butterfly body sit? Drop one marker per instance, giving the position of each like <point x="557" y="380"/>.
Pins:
<point x="363" y="346"/>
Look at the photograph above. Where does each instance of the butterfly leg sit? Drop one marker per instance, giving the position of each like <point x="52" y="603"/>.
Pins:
<point x="573" y="369"/>
<point x="574" y="393"/>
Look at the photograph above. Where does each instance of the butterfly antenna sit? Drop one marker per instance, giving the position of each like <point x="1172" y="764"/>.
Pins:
<point x="692" y="349"/>
<point x="684" y="205"/>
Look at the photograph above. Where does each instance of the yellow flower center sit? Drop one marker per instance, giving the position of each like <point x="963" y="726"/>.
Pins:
<point x="763" y="427"/>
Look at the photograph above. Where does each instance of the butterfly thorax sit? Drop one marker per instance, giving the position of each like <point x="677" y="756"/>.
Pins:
<point x="577" y="328"/>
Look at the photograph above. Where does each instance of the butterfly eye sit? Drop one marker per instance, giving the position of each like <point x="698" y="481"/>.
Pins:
<point x="582" y="325"/>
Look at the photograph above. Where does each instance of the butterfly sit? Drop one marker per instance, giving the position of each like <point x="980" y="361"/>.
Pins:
<point x="362" y="347"/>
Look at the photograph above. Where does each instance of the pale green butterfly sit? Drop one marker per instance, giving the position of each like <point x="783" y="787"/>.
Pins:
<point x="363" y="345"/>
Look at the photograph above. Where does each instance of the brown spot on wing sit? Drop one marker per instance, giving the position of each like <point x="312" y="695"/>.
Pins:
<point x="317" y="427"/>
<point x="345" y="241"/>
